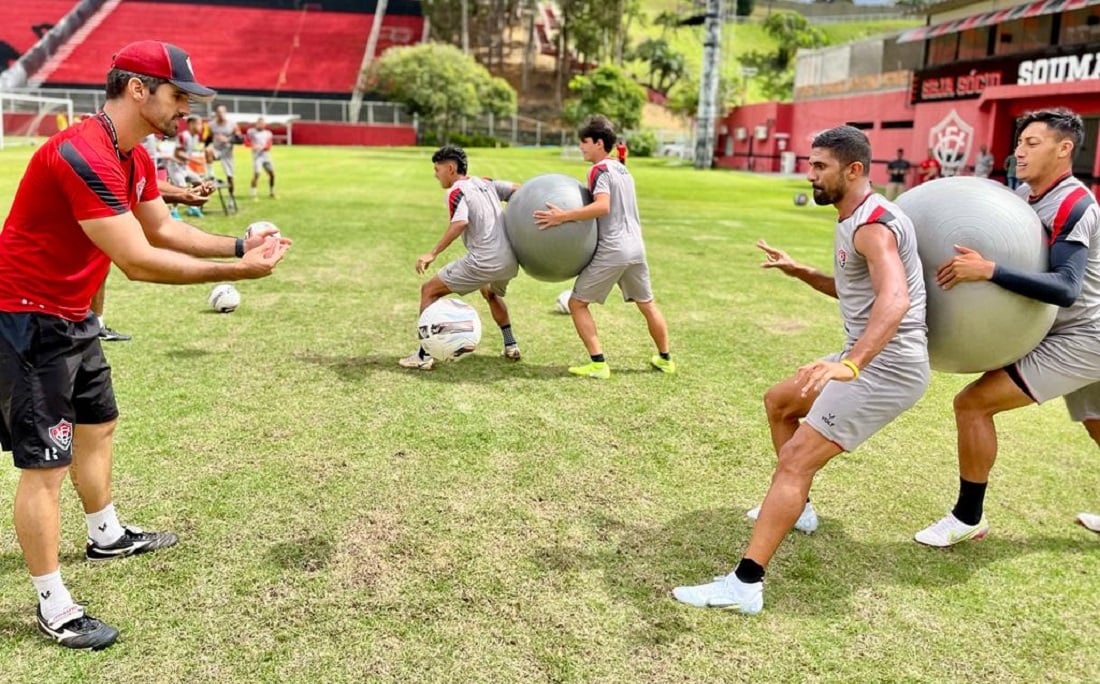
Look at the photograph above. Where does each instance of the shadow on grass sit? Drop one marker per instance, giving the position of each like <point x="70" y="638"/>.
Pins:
<point x="307" y="554"/>
<point x="645" y="563"/>
<point x="480" y="368"/>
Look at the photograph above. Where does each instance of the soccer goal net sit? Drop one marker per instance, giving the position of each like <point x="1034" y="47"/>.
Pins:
<point x="22" y="116"/>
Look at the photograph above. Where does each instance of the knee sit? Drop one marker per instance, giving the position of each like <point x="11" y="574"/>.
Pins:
<point x="35" y="481"/>
<point x="793" y="464"/>
<point x="970" y="402"/>
<point x="778" y="404"/>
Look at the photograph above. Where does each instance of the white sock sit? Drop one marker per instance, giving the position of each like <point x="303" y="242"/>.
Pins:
<point x="54" y="599"/>
<point x="100" y="319"/>
<point x="103" y="526"/>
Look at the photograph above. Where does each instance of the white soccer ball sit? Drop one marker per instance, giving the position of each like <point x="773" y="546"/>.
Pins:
<point x="260" y="225"/>
<point x="224" y="298"/>
<point x="562" y="302"/>
<point x="449" y="329"/>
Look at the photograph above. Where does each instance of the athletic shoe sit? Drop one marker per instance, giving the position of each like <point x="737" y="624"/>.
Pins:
<point x="175" y="213"/>
<point x="414" y="360"/>
<point x="950" y="530"/>
<point x="1089" y="521"/>
<point x="111" y="335"/>
<point x="724" y="592"/>
<point x="596" y="369"/>
<point x="81" y="632"/>
<point x="511" y="352"/>
<point x="807" y="521"/>
<point x="273" y="196"/>
<point x="663" y="365"/>
<point x="195" y="211"/>
<point x="133" y="542"/>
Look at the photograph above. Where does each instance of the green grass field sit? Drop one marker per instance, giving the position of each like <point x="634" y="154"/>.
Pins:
<point x="343" y="520"/>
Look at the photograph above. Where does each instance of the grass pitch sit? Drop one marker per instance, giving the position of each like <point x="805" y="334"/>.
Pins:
<point x="343" y="520"/>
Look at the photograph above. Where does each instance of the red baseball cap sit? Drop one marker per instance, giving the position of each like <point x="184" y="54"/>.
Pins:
<point x="161" y="60"/>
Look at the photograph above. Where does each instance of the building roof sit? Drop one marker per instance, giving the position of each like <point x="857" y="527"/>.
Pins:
<point x="1028" y="9"/>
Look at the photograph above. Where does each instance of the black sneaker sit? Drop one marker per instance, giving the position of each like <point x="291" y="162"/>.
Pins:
<point x="111" y="335"/>
<point x="83" y="632"/>
<point x="132" y="542"/>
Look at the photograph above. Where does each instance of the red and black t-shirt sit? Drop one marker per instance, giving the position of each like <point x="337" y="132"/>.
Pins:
<point x="47" y="262"/>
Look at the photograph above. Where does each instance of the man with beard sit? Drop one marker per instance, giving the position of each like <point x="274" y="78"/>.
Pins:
<point x="89" y="198"/>
<point x="848" y="396"/>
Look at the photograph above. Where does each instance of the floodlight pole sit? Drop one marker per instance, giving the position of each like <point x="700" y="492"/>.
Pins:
<point x="356" y="103"/>
<point x="708" y="87"/>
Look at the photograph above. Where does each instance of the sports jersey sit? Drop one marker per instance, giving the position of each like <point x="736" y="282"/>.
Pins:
<point x="620" y="230"/>
<point x="853" y="279"/>
<point x="222" y="129"/>
<point x="259" y="140"/>
<point x="477" y="201"/>
<point x="898" y="169"/>
<point x="1069" y="212"/>
<point x="47" y="262"/>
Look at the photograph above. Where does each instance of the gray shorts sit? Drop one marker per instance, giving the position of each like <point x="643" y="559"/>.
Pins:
<point x="463" y="276"/>
<point x="1064" y="362"/>
<point x="847" y="413"/>
<point x="596" y="280"/>
<point x="226" y="158"/>
<point x="181" y="176"/>
<point x="262" y="161"/>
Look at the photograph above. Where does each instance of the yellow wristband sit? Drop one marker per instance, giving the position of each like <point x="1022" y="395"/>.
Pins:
<point x="849" y="363"/>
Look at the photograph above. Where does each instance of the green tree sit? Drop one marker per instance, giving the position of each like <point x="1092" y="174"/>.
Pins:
<point x="775" y="70"/>
<point x="666" y="65"/>
<point x="441" y="85"/>
<point x="609" y="91"/>
<point x="745" y="7"/>
<point x="683" y="97"/>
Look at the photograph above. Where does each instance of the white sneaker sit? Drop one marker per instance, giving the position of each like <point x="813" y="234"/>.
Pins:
<point x="511" y="352"/>
<point x="807" y="522"/>
<point x="414" y="361"/>
<point x="950" y="530"/>
<point x="724" y="592"/>
<point x="1090" y="521"/>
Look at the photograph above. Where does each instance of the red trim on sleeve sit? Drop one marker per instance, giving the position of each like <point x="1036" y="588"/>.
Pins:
<point x="1065" y="209"/>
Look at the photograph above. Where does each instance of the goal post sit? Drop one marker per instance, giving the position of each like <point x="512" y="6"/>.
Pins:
<point x="36" y="107"/>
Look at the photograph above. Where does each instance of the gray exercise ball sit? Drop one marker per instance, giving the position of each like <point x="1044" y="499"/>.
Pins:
<point x="978" y="326"/>
<point x="557" y="253"/>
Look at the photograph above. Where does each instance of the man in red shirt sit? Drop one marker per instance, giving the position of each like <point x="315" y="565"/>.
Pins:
<point x="929" y="169"/>
<point x="621" y="151"/>
<point x="88" y="198"/>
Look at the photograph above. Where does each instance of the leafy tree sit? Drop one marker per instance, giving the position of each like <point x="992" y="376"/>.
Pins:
<point x="745" y="7"/>
<point x="609" y="91"/>
<point x="683" y="97"/>
<point x="775" y="70"/>
<point x="666" y="65"/>
<point x="441" y="85"/>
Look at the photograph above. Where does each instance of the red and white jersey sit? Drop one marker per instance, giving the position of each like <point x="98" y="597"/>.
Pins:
<point x="853" y="279"/>
<point x="47" y="263"/>
<point x="620" y="230"/>
<point x="477" y="201"/>
<point x="1069" y="212"/>
<point x="259" y="140"/>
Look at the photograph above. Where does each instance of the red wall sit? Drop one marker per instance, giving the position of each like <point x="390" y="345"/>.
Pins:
<point x="322" y="133"/>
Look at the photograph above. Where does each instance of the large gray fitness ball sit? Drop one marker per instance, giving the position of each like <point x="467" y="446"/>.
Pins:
<point x="975" y="327"/>
<point x="557" y="253"/>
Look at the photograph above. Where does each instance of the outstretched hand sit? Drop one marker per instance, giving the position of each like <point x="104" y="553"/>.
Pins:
<point x="261" y="260"/>
<point x="424" y="261"/>
<point x="776" y="258"/>
<point x="966" y="267"/>
<point x="549" y="217"/>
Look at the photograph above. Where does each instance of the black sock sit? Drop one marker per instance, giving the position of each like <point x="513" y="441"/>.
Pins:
<point x="968" y="508"/>
<point x="422" y="354"/>
<point x="509" y="338"/>
<point x="597" y="358"/>
<point x="665" y="355"/>
<point x="749" y="571"/>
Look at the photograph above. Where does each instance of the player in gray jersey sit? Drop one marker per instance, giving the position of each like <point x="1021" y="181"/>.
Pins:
<point x="846" y="397"/>
<point x="260" y="139"/>
<point x="1067" y="362"/>
<point x="224" y="134"/>
<point x="473" y="206"/>
<point x="620" y="252"/>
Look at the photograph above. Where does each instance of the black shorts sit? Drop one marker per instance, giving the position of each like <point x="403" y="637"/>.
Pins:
<point x="53" y="376"/>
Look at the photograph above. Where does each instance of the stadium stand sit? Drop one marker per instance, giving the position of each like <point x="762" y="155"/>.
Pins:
<point x="241" y="49"/>
<point x="19" y="20"/>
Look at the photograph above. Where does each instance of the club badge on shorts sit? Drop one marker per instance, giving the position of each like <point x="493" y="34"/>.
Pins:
<point x="62" y="434"/>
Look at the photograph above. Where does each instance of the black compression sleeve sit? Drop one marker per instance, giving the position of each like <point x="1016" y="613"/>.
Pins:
<point x="1060" y="285"/>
